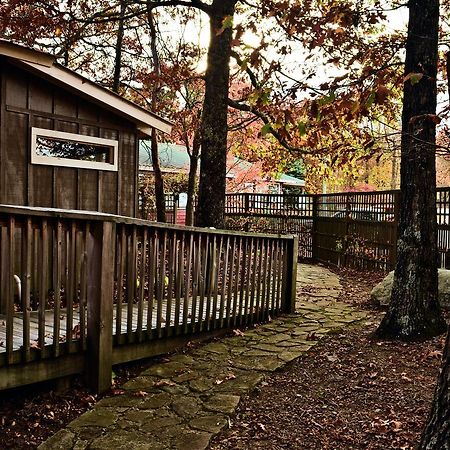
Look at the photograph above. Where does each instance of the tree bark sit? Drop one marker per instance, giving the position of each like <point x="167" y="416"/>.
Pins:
<point x="193" y="157"/>
<point x="119" y="41"/>
<point x="436" y="435"/>
<point x="414" y="311"/>
<point x="214" y="127"/>
<point x="160" y="200"/>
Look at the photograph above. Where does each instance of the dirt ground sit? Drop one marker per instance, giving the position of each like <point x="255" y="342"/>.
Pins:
<point x="350" y="392"/>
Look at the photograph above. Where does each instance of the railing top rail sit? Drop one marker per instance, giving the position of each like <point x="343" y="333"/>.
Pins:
<point x="55" y="213"/>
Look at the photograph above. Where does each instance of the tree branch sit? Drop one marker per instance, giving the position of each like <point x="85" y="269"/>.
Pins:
<point x="267" y="121"/>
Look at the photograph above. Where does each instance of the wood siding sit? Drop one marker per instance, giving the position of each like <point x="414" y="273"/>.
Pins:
<point x="27" y="101"/>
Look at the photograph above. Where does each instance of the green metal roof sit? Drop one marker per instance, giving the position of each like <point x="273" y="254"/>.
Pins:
<point x="174" y="156"/>
<point x="171" y="156"/>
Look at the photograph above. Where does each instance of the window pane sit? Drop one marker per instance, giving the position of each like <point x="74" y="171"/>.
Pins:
<point x="80" y="151"/>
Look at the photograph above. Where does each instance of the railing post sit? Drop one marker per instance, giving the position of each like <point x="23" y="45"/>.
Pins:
<point x="100" y="290"/>
<point x="291" y="261"/>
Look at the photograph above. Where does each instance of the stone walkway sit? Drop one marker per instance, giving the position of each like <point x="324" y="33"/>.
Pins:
<point x="182" y="403"/>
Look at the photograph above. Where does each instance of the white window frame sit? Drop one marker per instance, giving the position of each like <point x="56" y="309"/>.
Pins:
<point x="67" y="162"/>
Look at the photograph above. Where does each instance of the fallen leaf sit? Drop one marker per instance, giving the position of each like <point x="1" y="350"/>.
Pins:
<point x="117" y="392"/>
<point x="164" y="382"/>
<point x="312" y="336"/>
<point x="434" y="354"/>
<point x="140" y="394"/>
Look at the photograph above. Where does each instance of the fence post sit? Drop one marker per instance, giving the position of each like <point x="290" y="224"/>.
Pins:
<point x="291" y="262"/>
<point x="101" y="244"/>
<point x="348" y="211"/>
<point x="314" y="247"/>
<point x="176" y="199"/>
<point x="247" y="211"/>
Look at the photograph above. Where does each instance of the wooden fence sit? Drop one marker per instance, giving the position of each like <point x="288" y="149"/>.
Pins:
<point x="80" y="292"/>
<point x="346" y="229"/>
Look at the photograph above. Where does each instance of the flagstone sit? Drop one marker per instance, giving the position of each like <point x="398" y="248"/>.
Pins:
<point x="182" y="402"/>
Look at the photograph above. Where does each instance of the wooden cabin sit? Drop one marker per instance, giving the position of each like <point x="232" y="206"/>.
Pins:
<point x="66" y="142"/>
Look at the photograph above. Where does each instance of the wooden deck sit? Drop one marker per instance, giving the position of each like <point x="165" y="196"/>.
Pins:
<point x="49" y="322"/>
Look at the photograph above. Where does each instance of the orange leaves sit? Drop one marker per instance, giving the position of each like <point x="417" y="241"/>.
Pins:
<point x="382" y="94"/>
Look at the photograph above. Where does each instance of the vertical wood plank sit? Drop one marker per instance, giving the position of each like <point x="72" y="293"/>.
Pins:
<point x="203" y="281"/>
<point x="57" y="265"/>
<point x="242" y="288"/>
<point x="211" y="280"/>
<point x="265" y="277"/>
<point x="10" y="291"/>
<point x="121" y="258"/>
<point x="231" y="281"/>
<point x="187" y="281"/>
<point x="196" y="278"/>
<point x="258" y="303"/>
<point x="179" y="279"/>
<point x="253" y="286"/>
<point x="237" y="277"/>
<point x="278" y="301"/>
<point x="4" y="265"/>
<point x="291" y="275"/>
<point x="83" y="285"/>
<point x="27" y="252"/>
<point x="153" y="263"/>
<point x="171" y="276"/>
<point x="219" y="269"/>
<point x="70" y="282"/>
<point x="270" y="280"/>
<point x="43" y="284"/>
<point x="131" y="281"/>
<point x="161" y="279"/>
<point x="142" y="276"/>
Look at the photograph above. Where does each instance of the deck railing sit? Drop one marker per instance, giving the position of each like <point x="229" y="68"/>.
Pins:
<point x="81" y="291"/>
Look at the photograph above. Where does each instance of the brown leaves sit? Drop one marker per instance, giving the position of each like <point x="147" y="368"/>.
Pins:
<point x="140" y="394"/>
<point x="382" y="94"/>
<point x="228" y="376"/>
<point x="433" y="354"/>
<point x="164" y="382"/>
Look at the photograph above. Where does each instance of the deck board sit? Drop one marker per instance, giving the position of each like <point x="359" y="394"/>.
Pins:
<point x="49" y="321"/>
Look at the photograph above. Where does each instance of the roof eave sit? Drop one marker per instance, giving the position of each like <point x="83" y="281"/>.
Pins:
<point x="25" y="54"/>
<point x="143" y="119"/>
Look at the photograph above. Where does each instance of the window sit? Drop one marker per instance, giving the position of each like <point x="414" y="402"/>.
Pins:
<point x="57" y="148"/>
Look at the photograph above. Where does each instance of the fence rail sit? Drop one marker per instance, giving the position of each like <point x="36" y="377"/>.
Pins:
<point x="346" y="229"/>
<point x="95" y="288"/>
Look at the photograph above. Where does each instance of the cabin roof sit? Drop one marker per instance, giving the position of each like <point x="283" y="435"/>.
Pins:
<point x="45" y="66"/>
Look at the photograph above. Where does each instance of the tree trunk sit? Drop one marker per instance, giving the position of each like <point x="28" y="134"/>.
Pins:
<point x="414" y="311"/>
<point x="160" y="200"/>
<point x="192" y="177"/>
<point x="214" y="127"/>
<point x="119" y="41"/>
<point x="436" y="435"/>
